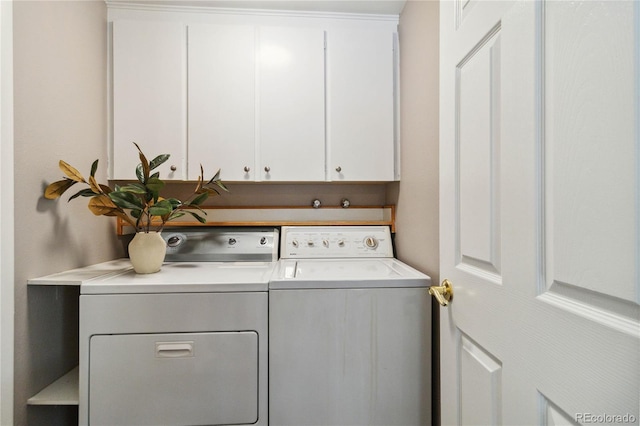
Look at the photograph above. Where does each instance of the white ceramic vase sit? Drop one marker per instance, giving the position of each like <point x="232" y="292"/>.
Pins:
<point x="147" y="251"/>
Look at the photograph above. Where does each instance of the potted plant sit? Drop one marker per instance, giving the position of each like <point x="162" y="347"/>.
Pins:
<point x="139" y="204"/>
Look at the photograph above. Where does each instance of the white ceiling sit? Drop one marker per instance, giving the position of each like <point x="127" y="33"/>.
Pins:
<point x="384" y="7"/>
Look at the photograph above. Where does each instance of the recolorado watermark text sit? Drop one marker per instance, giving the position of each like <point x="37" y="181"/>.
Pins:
<point x="591" y="418"/>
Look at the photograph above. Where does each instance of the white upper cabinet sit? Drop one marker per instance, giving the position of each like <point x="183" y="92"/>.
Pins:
<point x="149" y="95"/>
<point x="291" y="104"/>
<point x="360" y="105"/>
<point x="222" y="101"/>
<point x="275" y="97"/>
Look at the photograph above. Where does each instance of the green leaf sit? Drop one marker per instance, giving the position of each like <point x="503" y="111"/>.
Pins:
<point x="158" y="161"/>
<point x="56" y="189"/>
<point x="175" y="203"/>
<point x="134" y="188"/>
<point x="176" y="214"/>
<point x="140" y="173"/>
<point x="197" y="216"/>
<point x="198" y="200"/>
<point x="161" y="208"/>
<point x="215" y="177"/>
<point x="154" y="185"/>
<point x="126" y="200"/>
<point x="83" y="193"/>
<point x="94" y="168"/>
<point x="222" y="186"/>
<point x="136" y="213"/>
<point x="155" y="175"/>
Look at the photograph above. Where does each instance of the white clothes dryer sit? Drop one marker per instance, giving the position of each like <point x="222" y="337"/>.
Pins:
<point x="349" y="331"/>
<point x="187" y="345"/>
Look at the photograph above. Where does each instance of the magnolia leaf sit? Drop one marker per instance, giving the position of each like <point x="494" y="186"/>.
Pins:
<point x="154" y="185"/>
<point x="126" y="200"/>
<point x="221" y="185"/>
<point x="94" y="168"/>
<point x="199" y="199"/>
<point x="199" y="185"/>
<point x="93" y="184"/>
<point x="215" y="177"/>
<point x="197" y="216"/>
<point x="161" y="208"/>
<point x="71" y="171"/>
<point x="144" y="162"/>
<point x="155" y="175"/>
<point x="56" y="189"/>
<point x="210" y="191"/>
<point x="197" y="208"/>
<point x="101" y="205"/>
<point x="83" y="193"/>
<point x="134" y="188"/>
<point x="158" y="161"/>
<point x="140" y="173"/>
<point x="176" y="214"/>
<point x="105" y="189"/>
<point x="136" y="213"/>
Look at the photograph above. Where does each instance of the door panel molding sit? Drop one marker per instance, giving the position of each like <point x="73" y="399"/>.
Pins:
<point x="477" y="162"/>
<point x="552" y="415"/>
<point x="480" y="383"/>
<point x="585" y="218"/>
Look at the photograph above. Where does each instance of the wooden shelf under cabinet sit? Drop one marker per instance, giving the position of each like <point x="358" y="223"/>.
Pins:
<point x="284" y="216"/>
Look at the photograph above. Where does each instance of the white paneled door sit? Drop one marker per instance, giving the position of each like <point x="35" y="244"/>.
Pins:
<point x="540" y="212"/>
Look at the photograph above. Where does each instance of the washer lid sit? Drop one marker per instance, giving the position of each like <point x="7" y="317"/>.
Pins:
<point x="186" y="277"/>
<point x="346" y="273"/>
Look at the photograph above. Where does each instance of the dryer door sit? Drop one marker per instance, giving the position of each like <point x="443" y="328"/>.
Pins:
<point x="174" y="379"/>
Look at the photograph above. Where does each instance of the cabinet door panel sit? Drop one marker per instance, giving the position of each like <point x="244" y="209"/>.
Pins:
<point x="149" y="95"/>
<point x="291" y="104"/>
<point x="360" y="105"/>
<point x="222" y="101"/>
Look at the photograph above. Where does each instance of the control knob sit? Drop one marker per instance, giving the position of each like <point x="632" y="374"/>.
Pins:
<point x="371" y="242"/>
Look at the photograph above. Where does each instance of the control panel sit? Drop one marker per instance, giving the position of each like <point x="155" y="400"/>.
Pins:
<point x="221" y="244"/>
<point x="318" y="242"/>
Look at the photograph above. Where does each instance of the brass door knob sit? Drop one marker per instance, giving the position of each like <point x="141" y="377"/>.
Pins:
<point x="443" y="292"/>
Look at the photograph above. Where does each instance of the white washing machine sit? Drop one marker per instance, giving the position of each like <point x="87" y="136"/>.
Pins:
<point x="187" y="345"/>
<point x="349" y="331"/>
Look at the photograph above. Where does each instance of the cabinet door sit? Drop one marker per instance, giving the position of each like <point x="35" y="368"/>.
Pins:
<point x="149" y="96"/>
<point x="222" y="101"/>
<point x="360" y="105"/>
<point x="291" y="104"/>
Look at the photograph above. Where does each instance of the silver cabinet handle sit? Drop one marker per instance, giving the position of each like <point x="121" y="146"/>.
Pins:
<point x="338" y="169"/>
<point x="247" y="169"/>
<point x="267" y="169"/>
<point x="173" y="168"/>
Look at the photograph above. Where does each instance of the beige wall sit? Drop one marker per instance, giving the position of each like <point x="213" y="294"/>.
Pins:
<point x="60" y="113"/>
<point x="416" y="195"/>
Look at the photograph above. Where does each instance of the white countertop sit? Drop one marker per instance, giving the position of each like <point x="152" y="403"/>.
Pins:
<point x="118" y="277"/>
<point x="79" y="276"/>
